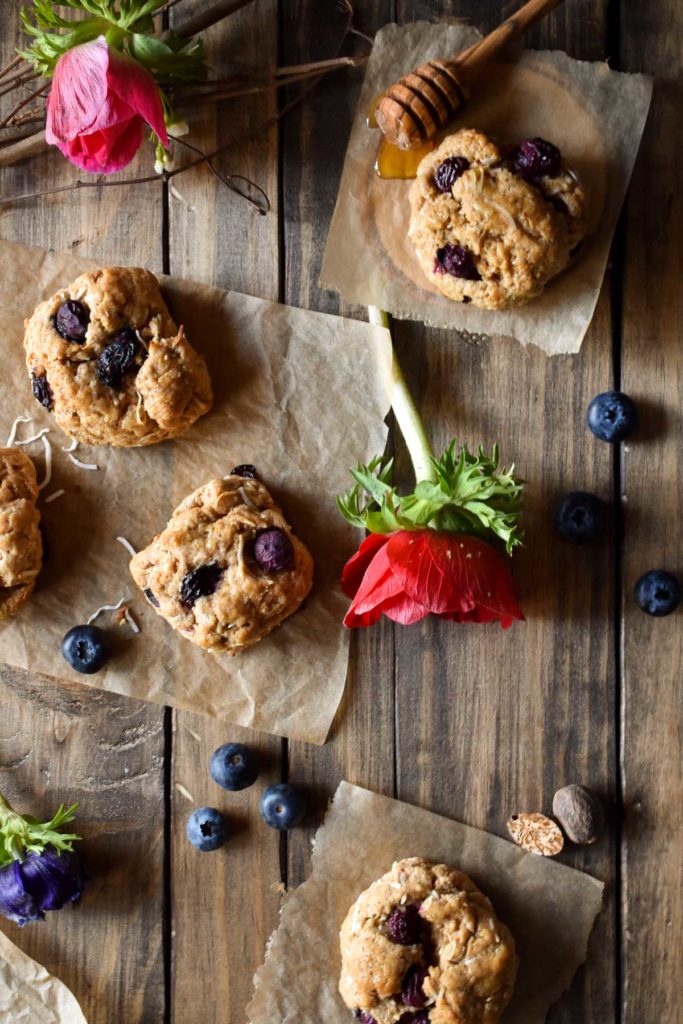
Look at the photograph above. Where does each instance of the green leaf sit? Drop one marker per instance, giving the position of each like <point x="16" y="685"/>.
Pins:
<point x="469" y="496"/>
<point x="21" y="833"/>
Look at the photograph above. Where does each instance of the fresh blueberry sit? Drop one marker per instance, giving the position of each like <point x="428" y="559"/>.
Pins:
<point x="118" y="357"/>
<point x="456" y="261"/>
<point x="658" y="593"/>
<point x="536" y="158"/>
<point x="71" y="321"/>
<point x="245" y="470"/>
<point x="412" y="993"/>
<point x="414" y="1018"/>
<point x="85" y="648"/>
<point x="448" y="172"/>
<point x="403" y="925"/>
<point x="206" y="829"/>
<point x="612" y="416"/>
<point x="579" y="516"/>
<point x="273" y="550"/>
<point x="42" y="392"/>
<point x="282" y="806"/>
<point x="234" y="766"/>
<point x="199" y="582"/>
<point x="364" y="1017"/>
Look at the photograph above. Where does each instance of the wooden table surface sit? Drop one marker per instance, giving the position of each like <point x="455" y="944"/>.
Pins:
<point x="474" y="723"/>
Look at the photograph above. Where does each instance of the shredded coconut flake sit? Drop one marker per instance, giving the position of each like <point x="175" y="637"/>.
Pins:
<point x="54" y="495"/>
<point x="106" y="608"/>
<point x="184" y="792"/>
<point x="48" y="463"/>
<point x="70" y="447"/>
<point x="15" y="425"/>
<point x="82" y="465"/>
<point x="245" y="497"/>
<point x="35" y="437"/>
<point x="130" y="619"/>
<point x="127" y="545"/>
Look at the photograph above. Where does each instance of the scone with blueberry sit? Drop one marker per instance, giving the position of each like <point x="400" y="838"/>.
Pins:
<point x="492" y="225"/>
<point x="21" y="547"/>
<point x="422" y="945"/>
<point x="227" y="569"/>
<point x="106" y="358"/>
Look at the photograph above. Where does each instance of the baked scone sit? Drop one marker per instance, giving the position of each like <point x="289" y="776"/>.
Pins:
<point x="490" y="225"/>
<point x="21" y="546"/>
<point x="227" y="569"/>
<point x="105" y="356"/>
<point x="422" y="945"/>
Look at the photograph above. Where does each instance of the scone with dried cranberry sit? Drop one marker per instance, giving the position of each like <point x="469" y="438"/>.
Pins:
<point x="105" y="356"/>
<point x="490" y="225"/>
<point x="227" y="569"/>
<point x="422" y="945"/>
<point x="21" y="547"/>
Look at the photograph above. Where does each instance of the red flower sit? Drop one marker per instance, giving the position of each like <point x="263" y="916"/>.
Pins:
<point x="98" y="103"/>
<point x="412" y="573"/>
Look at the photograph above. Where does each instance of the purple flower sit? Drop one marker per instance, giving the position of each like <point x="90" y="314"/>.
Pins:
<point x="40" y="882"/>
<point x="39" y="870"/>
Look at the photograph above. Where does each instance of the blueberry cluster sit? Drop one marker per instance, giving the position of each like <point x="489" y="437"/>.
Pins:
<point x="580" y="516"/>
<point x="234" y="767"/>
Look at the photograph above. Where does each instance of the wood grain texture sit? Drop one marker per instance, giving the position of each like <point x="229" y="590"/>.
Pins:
<point x="652" y="485"/>
<point x="224" y="905"/>
<point x="66" y="743"/>
<point x="69" y="744"/>
<point x="361" y="744"/>
<point x="490" y="723"/>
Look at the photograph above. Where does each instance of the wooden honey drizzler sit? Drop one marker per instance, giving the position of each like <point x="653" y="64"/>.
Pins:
<point x="413" y="109"/>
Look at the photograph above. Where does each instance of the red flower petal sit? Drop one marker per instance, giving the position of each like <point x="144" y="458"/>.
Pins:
<point x="377" y="586"/>
<point x="453" y="575"/>
<point x="354" y="570"/>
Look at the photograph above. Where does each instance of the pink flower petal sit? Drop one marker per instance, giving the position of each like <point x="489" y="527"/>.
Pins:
<point x="106" y="152"/>
<point x="78" y="91"/>
<point x="135" y="86"/>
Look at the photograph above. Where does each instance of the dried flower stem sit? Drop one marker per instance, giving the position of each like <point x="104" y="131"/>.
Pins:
<point x="404" y="408"/>
<point x="218" y="11"/>
<point x="279" y="80"/>
<point x="24" y="103"/>
<point x="12" y="64"/>
<point x="13" y="83"/>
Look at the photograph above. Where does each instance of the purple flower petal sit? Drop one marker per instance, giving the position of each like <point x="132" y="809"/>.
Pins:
<point x="15" y="903"/>
<point x="52" y="879"/>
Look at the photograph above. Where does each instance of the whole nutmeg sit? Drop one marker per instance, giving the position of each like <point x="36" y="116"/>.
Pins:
<point x="579" y="813"/>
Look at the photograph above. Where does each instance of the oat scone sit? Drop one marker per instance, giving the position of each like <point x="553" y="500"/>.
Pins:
<point x="106" y="358"/>
<point x="491" y="225"/>
<point x="227" y="569"/>
<point x="422" y="945"/>
<point x="21" y="546"/>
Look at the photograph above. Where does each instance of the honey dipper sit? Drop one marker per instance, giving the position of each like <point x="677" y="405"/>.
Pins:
<point x="423" y="102"/>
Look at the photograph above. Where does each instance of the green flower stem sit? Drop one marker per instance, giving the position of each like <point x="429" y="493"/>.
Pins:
<point x="405" y="411"/>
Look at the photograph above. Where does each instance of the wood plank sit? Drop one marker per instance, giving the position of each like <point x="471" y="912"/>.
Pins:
<point x="488" y="722"/>
<point x="224" y="905"/>
<point x="65" y="743"/>
<point x="361" y="744"/>
<point x="652" y="679"/>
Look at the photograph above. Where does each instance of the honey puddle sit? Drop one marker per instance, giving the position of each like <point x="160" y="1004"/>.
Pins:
<point x="393" y="162"/>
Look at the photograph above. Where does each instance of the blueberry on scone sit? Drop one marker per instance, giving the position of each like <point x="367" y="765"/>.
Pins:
<point x="492" y="225"/>
<point x="227" y="569"/>
<point x="106" y="358"/>
<point x="423" y="944"/>
<point x="21" y="546"/>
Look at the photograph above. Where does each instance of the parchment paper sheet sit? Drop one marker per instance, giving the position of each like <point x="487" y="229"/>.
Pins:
<point x="300" y="395"/>
<point x="550" y="908"/>
<point x="29" y="995"/>
<point x="596" y="117"/>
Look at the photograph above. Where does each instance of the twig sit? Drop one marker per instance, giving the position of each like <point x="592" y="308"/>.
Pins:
<point x="315" y="70"/>
<point x="23" y="103"/>
<point x="21" y="79"/>
<point x="31" y="146"/>
<point x="230" y="179"/>
<point x="12" y="64"/>
<point x="217" y="11"/>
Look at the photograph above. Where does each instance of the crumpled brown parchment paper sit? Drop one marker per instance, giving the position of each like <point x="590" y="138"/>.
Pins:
<point x="29" y="995"/>
<point x="300" y="395"/>
<point x="596" y="116"/>
<point x="549" y="907"/>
